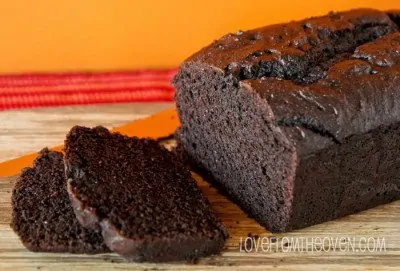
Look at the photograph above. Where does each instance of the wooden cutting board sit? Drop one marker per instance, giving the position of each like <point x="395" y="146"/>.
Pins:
<point x="368" y="240"/>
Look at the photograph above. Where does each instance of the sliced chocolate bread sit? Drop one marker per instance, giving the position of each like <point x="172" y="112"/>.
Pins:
<point x="42" y="214"/>
<point x="298" y="122"/>
<point x="145" y="200"/>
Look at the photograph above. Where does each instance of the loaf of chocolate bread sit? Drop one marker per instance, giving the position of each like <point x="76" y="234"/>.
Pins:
<point x="42" y="214"/>
<point x="299" y="123"/>
<point x="144" y="199"/>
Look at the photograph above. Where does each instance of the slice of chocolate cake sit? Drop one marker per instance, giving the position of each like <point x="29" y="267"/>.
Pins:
<point x="145" y="200"/>
<point x="42" y="214"/>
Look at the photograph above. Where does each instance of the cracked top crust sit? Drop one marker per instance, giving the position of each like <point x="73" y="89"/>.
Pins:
<point x="325" y="78"/>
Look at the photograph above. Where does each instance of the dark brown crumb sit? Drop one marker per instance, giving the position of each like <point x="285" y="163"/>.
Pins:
<point x="141" y="195"/>
<point x="42" y="214"/>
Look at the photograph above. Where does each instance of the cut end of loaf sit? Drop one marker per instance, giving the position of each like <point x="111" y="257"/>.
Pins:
<point x="229" y="130"/>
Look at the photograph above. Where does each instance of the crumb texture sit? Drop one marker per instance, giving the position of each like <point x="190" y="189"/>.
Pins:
<point x="142" y="194"/>
<point x="42" y="214"/>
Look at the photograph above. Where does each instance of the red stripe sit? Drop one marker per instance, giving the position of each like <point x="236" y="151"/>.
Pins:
<point x="87" y="91"/>
<point x="70" y="82"/>
<point x="75" y="99"/>
<point x="34" y="90"/>
<point x="93" y="95"/>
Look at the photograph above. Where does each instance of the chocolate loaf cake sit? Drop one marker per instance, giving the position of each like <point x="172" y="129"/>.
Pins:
<point x="42" y="214"/>
<point x="299" y="123"/>
<point x="145" y="200"/>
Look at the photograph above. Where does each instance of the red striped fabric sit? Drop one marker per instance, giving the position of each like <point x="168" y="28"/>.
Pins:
<point x="40" y="90"/>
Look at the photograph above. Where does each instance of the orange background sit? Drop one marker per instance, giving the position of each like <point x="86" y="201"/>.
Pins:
<point x="48" y="35"/>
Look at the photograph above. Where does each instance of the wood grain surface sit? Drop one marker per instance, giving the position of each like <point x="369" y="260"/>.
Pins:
<point x="368" y="240"/>
<point x="27" y="131"/>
